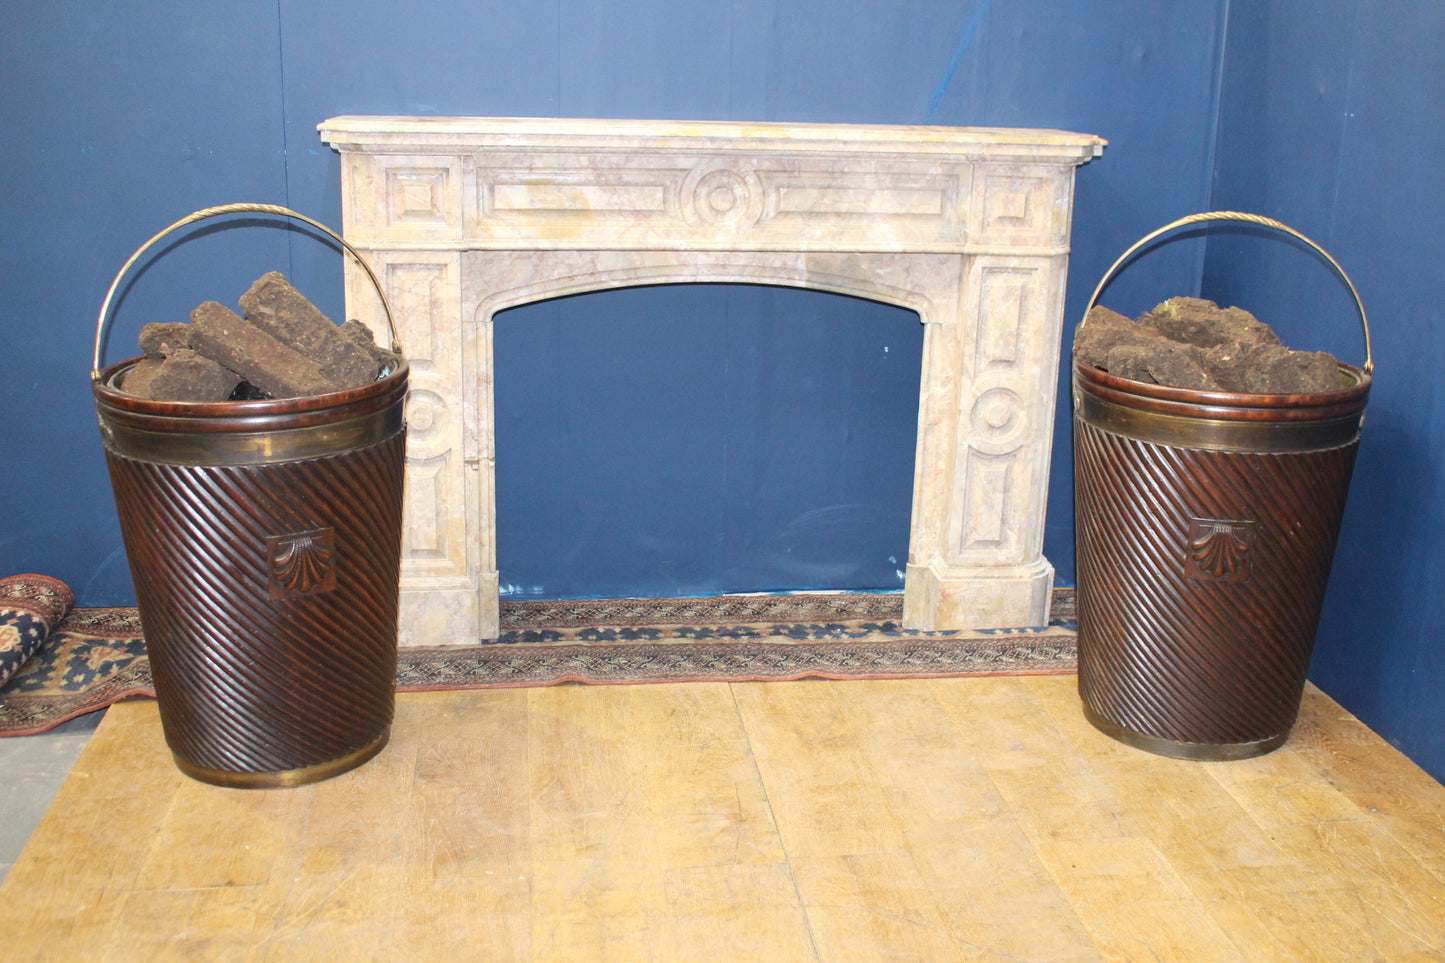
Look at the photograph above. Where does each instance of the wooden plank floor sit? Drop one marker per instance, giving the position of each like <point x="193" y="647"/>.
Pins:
<point x="966" y="819"/>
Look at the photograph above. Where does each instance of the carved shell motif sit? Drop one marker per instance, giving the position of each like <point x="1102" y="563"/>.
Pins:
<point x="1220" y="549"/>
<point x="302" y="564"/>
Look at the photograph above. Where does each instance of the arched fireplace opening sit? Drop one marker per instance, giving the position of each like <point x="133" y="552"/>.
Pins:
<point x="704" y="439"/>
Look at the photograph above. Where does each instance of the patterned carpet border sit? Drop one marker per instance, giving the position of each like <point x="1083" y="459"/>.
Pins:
<point x="915" y="658"/>
<point x="519" y="616"/>
<point x="96" y="657"/>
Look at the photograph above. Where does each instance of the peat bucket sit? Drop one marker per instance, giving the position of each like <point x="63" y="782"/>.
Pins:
<point x="1205" y="526"/>
<point x="264" y="542"/>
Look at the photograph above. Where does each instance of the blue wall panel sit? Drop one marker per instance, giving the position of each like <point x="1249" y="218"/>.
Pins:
<point x="738" y="438"/>
<point x="642" y="58"/>
<point x="1331" y="124"/>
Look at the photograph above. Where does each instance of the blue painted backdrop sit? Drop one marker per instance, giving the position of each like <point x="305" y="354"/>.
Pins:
<point x="729" y="438"/>
<point x="1331" y="122"/>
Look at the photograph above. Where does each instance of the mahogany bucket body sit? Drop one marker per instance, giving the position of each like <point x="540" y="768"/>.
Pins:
<point x="264" y="542"/>
<point x="1205" y="528"/>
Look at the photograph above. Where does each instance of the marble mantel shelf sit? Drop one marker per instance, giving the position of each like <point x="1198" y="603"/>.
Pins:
<point x="465" y="216"/>
<point x="407" y="133"/>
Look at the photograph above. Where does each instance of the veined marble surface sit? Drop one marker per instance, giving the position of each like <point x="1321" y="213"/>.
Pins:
<point x="463" y="217"/>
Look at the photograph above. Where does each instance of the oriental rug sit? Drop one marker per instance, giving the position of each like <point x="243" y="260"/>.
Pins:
<point x="30" y="607"/>
<point x="96" y="657"/>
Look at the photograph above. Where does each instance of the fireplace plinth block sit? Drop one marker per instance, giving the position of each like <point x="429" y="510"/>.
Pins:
<point x="449" y="613"/>
<point x="463" y="217"/>
<point x="977" y="597"/>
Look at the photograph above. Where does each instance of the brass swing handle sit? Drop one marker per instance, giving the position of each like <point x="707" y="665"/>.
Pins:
<point x="1369" y="365"/>
<point x="103" y="321"/>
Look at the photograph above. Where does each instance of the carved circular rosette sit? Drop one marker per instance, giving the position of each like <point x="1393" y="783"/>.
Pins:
<point x="722" y="196"/>
<point x="428" y="415"/>
<point x="997" y="420"/>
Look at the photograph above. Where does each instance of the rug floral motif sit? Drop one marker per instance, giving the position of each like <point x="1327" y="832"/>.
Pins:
<point x="30" y="607"/>
<point x="96" y="657"/>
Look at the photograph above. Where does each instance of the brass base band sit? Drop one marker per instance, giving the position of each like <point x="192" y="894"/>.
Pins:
<point x="288" y="778"/>
<point x="1197" y="751"/>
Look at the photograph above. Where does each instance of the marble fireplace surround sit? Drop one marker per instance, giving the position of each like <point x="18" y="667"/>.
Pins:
<point x="969" y="227"/>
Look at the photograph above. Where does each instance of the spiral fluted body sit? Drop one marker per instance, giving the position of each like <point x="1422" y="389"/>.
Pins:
<point x="266" y="567"/>
<point x="1202" y="567"/>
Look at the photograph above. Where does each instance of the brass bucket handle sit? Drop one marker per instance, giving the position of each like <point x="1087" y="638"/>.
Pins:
<point x="1369" y="366"/>
<point x="103" y="321"/>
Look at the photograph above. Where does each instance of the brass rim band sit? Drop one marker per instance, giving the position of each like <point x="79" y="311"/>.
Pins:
<point x="226" y="449"/>
<point x="229" y="449"/>
<point x="1209" y="433"/>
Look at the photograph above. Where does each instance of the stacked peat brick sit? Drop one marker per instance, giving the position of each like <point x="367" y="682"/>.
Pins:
<point x="1195" y="344"/>
<point x="281" y="346"/>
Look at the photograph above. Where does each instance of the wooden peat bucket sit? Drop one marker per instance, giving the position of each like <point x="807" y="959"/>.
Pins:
<point x="264" y="542"/>
<point x="1205" y="527"/>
